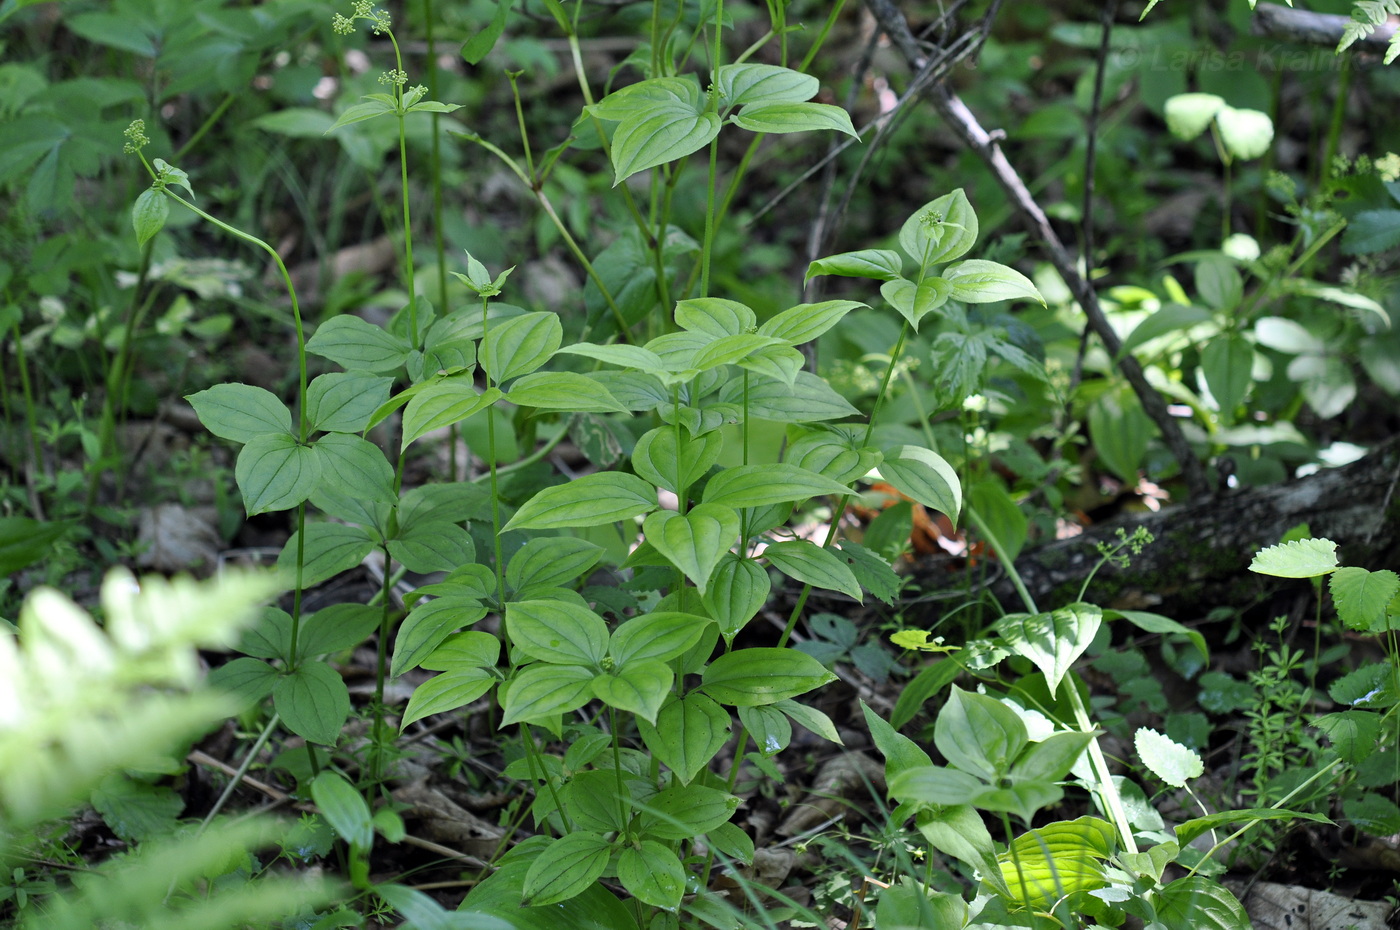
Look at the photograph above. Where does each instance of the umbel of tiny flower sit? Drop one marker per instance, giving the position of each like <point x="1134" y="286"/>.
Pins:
<point x="135" y="137"/>
<point x="379" y="21"/>
<point x="395" y="78"/>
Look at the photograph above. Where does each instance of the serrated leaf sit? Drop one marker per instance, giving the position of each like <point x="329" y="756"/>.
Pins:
<point x="1300" y="558"/>
<point x="1362" y="597"/>
<point x="1168" y="759"/>
<point x="241" y="412"/>
<point x="593" y="500"/>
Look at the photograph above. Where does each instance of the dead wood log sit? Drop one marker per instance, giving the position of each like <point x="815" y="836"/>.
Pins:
<point x="1202" y="550"/>
<point x="1307" y="28"/>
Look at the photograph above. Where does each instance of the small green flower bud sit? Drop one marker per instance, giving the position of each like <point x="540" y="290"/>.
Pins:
<point x="135" y="136"/>
<point x="342" y="25"/>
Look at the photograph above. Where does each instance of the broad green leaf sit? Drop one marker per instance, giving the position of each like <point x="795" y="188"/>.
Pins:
<point x="1245" y="133"/>
<point x="762" y="675"/>
<point x="659" y="635"/>
<point x="563" y="391"/>
<point x="359" y="112"/>
<point x="738" y="588"/>
<point x="427" y="625"/>
<point x="624" y="356"/>
<point x="760" y="485"/>
<point x="1053" y="641"/>
<point x="829" y="454"/>
<point x="344" y="809"/>
<point x="959" y="832"/>
<point x="1051" y="759"/>
<point x="669" y="132"/>
<point x="694" y="542"/>
<point x="1362" y="597"/>
<point x="567" y="866"/>
<point x="446" y="692"/>
<point x="1188" y="115"/>
<point x="1046" y="864"/>
<point x="494" y="904"/>
<point x="275" y="472"/>
<point x="652" y="874"/>
<point x="477" y="47"/>
<point x="148" y="214"/>
<point x="442" y="404"/>
<point x="295" y="122"/>
<point x="542" y="691"/>
<point x="453" y="501"/>
<point x="1373" y="813"/>
<point x="637" y="100"/>
<point x="1355" y="734"/>
<point x="977" y="281"/>
<point x="781" y="118"/>
<point x="604" y="497"/>
<point x="714" y="316"/>
<point x="729" y="840"/>
<point x="1121" y="431"/>
<point x="805" y="322"/>
<point x="638" y="687"/>
<point x="687" y="811"/>
<point x="1156" y="623"/>
<point x="1371" y="231"/>
<point x="771" y="731"/>
<point x="1219" y="283"/>
<point x="551" y="561"/>
<point x="241" y="412"/>
<point x="907" y="904"/>
<point x="811" y="564"/>
<point x="1172" y="318"/>
<point x="313" y="702"/>
<point x="1227" y="362"/>
<point x="979" y="734"/>
<point x="749" y="83"/>
<point x="880" y="264"/>
<point x="673" y="461"/>
<point x="939" y="231"/>
<point x="1001" y="515"/>
<point x="246" y="679"/>
<point x="925" y="477"/>
<point x="591" y="797"/>
<point x="432" y="546"/>
<point x="358" y="345"/>
<point x="1300" y="558"/>
<point x="935" y="784"/>
<point x="731" y="350"/>
<point x="1289" y="336"/>
<point x="331" y="548"/>
<point x="354" y="466"/>
<point x="520" y="345"/>
<point x="808" y="399"/>
<point x="24" y="541"/>
<point x="901" y="753"/>
<point x="914" y="302"/>
<point x="343" y="401"/>
<point x="688" y="733"/>
<point x="1371" y="687"/>
<point x="336" y="628"/>
<point x="1168" y="759"/>
<point x="1199" y="826"/>
<point x="561" y="632"/>
<point x="472" y="649"/>
<point x="136" y="810"/>
<point x="1201" y="904"/>
<point x="932" y="680"/>
<point x="812" y="719"/>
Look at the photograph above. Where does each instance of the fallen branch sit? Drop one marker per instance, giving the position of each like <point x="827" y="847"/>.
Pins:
<point x="1307" y="28"/>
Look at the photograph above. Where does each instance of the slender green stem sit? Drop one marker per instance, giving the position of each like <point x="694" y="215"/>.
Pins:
<point x="495" y="487"/>
<point x="237" y="778"/>
<point x="209" y="123"/>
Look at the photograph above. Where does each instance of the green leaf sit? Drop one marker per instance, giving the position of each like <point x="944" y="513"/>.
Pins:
<point x="359" y="112"/>
<point x="1170" y="319"/>
<point x="781" y="118"/>
<point x="805" y="322"/>
<point x="729" y="840"/>
<point x="1355" y="734"/>
<point x="638" y="687"/>
<point x="669" y="131"/>
<point x="494" y="904"/>
<point x="937" y="785"/>
<point x="958" y="831"/>
<point x="313" y="702"/>
<point x="295" y="122"/>
<point x="1053" y="641"/>
<point x="563" y="391"/>
<point x="1201" y="904"/>
<point x="1371" y="231"/>
<point x="446" y="692"/>
<point x="275" y="472"/>
<point x="714" y="316"/>
<point x="1219" y="283"/>
<point x="749" y="83"/>
<point x="979" y="734"/>
<point x="658" y="635"/>
<point x="427" y="625"/>
<point x="932" y="680"/>
<point x="1362" y="597"/>
<point x="1245" y="133"/>
<point x="924" y="476"/>
<point x="1188" y="115"/>
<point x="472" y="649"/>
<point x="1300" y="558"/>
<point x="1370" y="686"/>
<point x="477" y="47"/>
<point x="336" y="628"/>
<point x="696" y="541"/>
<point x="901" y="753"/>
<point x="624" y="356"/>
<point x="353" y="343"/>
<point x="331" y="548"/>
<point x="148" y="214"/>
<point x="738" y="588"/>
<point x="541" y="691"/>
<point x="432" y="546"/>
<point x="637" y="100"/>
<point x="593" y="500"/>
<point x="562" y="632"/>
<point x="24" y="541"/>
<point x="241" y="412"/>
<point x="567" y="866"/>
<point x="940" y="231"/>
<point x="520" y="345"/>
<point x="1373" y="814"/>
<point x="977" y="281"/>
<point x="688" y="733"/>
<point x="652" y="874"/>
<point x="354" y="466"/>
<point x="771" y="731"/>
<point x="551" y="561"/>
<point x="343" y="401"/>
<point x="1228" y="365"/>
<point x="1156" y="623"/>
<point x="688" y="811"/>
<point x="1168" y="759"/>
<point x="914" y="302"/>
<point x="1006" y="521"/>
<point x="675" y="461"/>
<point x="812" y="719"/>
<point x="811" y="564"/>
<point x="760" y="485"/>
<point x="908" y="905"/>
<point x="1044" y="865"/>
<point x="880" y="264"/>
<point x="1288" y="336"/>
<point x="1121" y="431"/>
<point x="443" y="403"/>
<point x="1199" y="826"/>
<point x="248" y="680"/>
<point x="344" y="809"/>
<point x="1051" y="759"/>
<point x="762" y="675"/>
<point x="136" y="810"/>
<point x="807" y="400"/>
